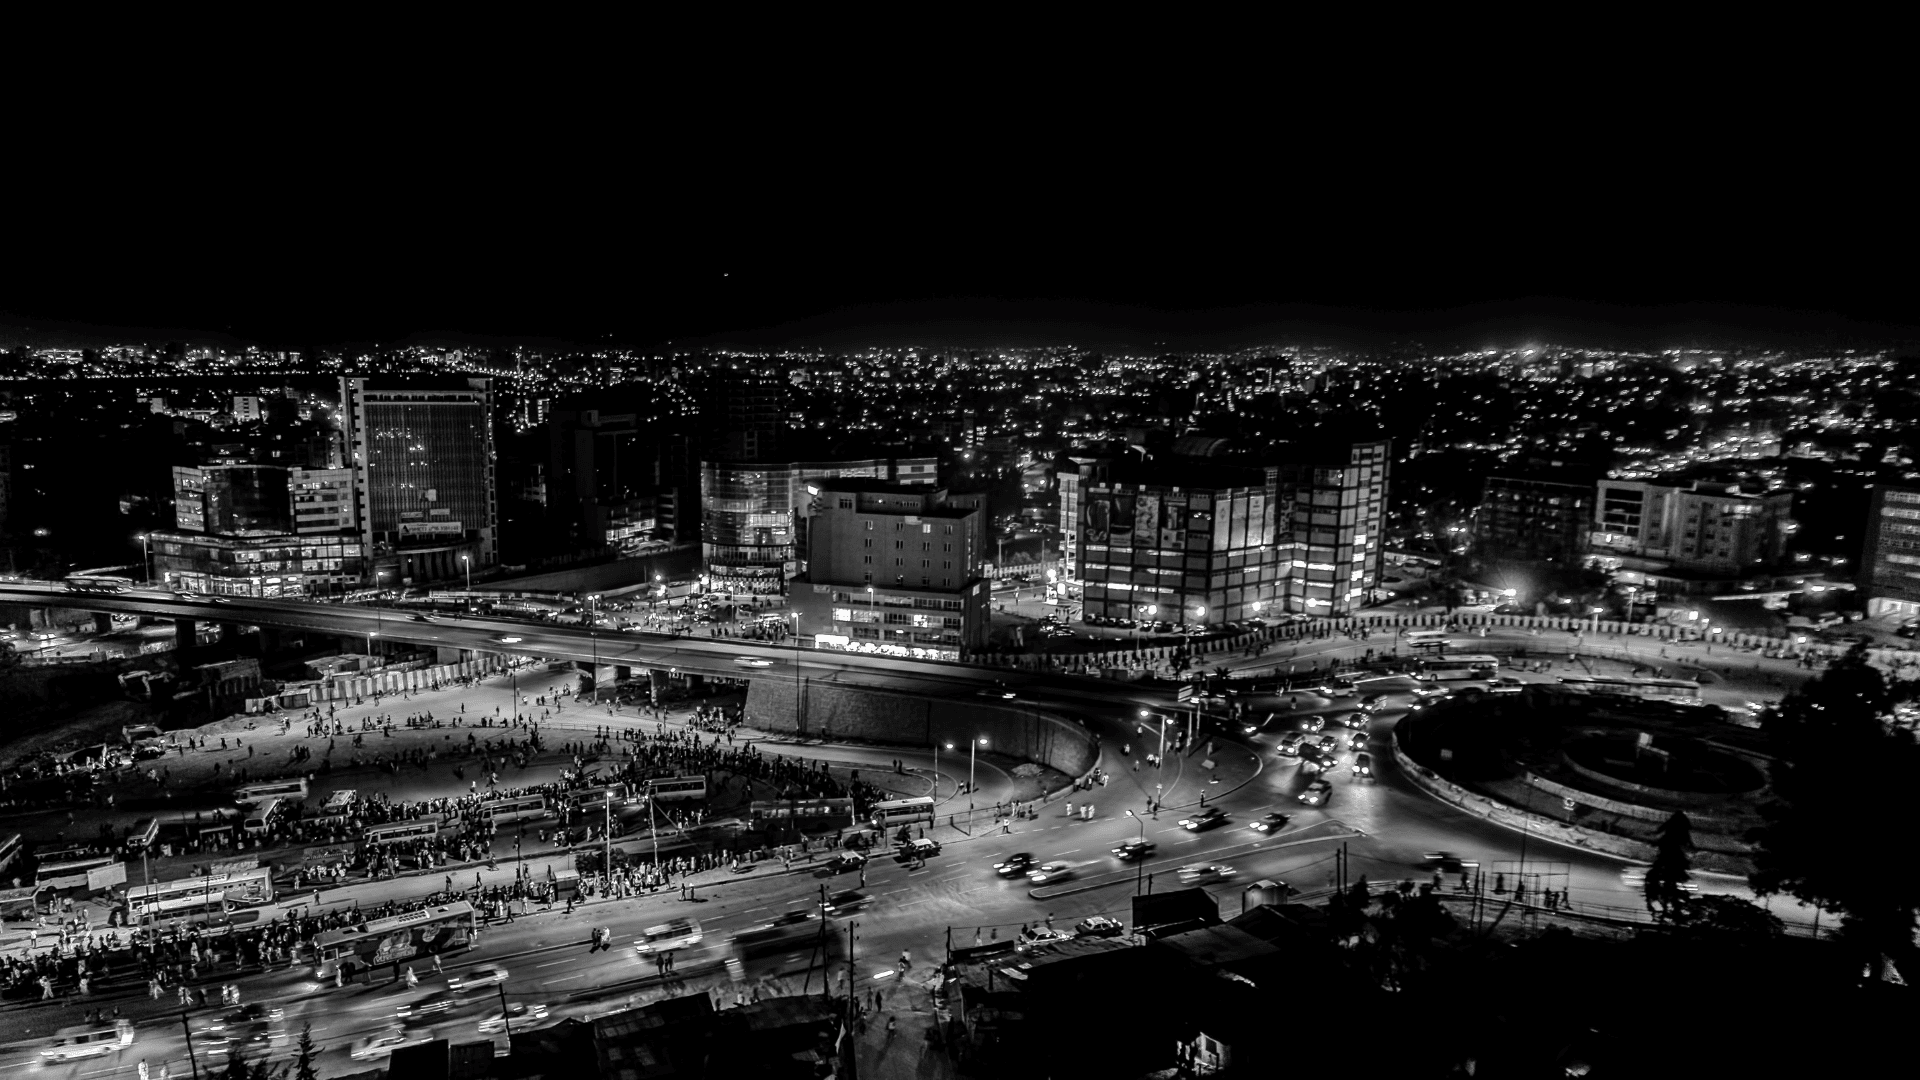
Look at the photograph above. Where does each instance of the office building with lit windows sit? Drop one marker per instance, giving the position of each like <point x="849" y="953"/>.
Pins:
<point x="1204" y="538"/>
<point x="422" y="453"/>
<point x="1890" y="566"/>
<point x="893" y="568"/>
<point x="754" y="515"/>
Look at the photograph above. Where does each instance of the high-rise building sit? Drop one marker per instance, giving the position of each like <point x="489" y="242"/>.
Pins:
<point x="323" y="501"/>
<point x="619" y="469"/>
<point x="1182" y="540"/>
<point x="422" y="452"/>
<point x="248" y="407"/>
<point x="743" y="412"/>
<point x="893" y="568"/>
<point x="1890" y="566"/>
<point x="232" y="500"/>
<point x="1202" y="536"/>
<point x="1543" y="513"/>
<point x="1336" y="493"/>
<point x="1696" y="528"/>
<point x="753" y="516"/>
<point x="6" y="484"/>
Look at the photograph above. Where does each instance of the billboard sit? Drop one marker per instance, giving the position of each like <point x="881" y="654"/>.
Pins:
<point x="1120" y="521"/>
<point x="1146" y="519"/>
<point x="1173" y="523"/>
<point x="1099" y="515"/>
<point x="431" y="528"/>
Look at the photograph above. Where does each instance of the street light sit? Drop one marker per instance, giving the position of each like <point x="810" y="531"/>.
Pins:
<point x="796" y="670"/>
<point x="936" y="769"/>
<point x="1140" y="858"/>
<point x="972" y="745"/>
<point x="467" y="565"/>
<point x="146" y="557"/>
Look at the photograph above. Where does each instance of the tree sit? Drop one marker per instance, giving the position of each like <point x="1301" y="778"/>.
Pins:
<point x="1670" y="866"/>
<point x="1724" y="917"/>
<point x="1842" y="797"/>
<point x="303" y="1060"/>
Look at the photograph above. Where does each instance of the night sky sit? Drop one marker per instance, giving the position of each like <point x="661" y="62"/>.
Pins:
<point x="428" y="256"/>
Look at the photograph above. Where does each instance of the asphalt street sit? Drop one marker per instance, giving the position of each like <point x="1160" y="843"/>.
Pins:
<point x="1384" y="826"/>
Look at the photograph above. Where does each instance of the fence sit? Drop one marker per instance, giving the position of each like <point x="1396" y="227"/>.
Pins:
<point x="1129" y="654"/>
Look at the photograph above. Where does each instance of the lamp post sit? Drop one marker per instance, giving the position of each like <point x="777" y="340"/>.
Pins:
<point x="796" y="670"/>
<point x="1139" y="859"/>
<point x="972" y="745"/>
<point x="936" y="769"/>
<point x="466" y="564"/>
<point x="146" y="557"/>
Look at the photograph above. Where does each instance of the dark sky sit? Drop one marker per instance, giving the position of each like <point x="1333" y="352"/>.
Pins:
<point x="759" y="259"/>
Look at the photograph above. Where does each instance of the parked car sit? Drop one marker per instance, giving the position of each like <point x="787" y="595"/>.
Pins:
<point x="1317" y="793"/>
<point x="1098" y="926"/>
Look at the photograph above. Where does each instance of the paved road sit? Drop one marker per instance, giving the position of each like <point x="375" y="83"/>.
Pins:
<point x="1385" y="827"/>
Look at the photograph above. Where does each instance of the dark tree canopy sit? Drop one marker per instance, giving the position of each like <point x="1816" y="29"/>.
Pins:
<point x="1843" y="805"/>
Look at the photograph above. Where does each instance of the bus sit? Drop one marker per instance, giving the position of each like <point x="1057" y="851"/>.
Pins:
<point x="98" y="583"/>
<point x="517" y="808"/>
<point x="10" y="849"/>
<point x="288" y="790"/>
<point x="1427" y="641"/>
<point x="392" y="940"/>
<point x="400" y="831"/>
<point x="897" y="812"/>
<point x="1447" y="668"/>
<point x="1681" y="690"/>
<point x="676" y="788"/>
<point x="68" y="869"/>
<point x="262" y="816"/>
<point x="596" y="798"/>
<point x="144" y="834"/>
<point x="206" y="894"/>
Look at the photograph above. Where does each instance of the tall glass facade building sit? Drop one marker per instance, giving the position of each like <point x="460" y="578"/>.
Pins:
<point x="423" y="453"/>
<point x="753" y="516"/>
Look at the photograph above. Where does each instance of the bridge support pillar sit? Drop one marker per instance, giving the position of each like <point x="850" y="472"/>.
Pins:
<point x="186" y="633"/>
<point x="449" y="654"/>
<point x="622" y="672"/>
<point x="102" y="622"/>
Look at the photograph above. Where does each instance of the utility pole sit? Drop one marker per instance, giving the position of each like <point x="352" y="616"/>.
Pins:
<point x="606" y="864"/>
<point x="195" y="1061"/>
<point x="850" y="994"/>
<point x="820" y="949"/>
<point x="506" y="1018"/>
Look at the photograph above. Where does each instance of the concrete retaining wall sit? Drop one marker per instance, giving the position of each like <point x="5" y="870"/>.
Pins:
<point x="862" y="714"/>
<point x="1613" y="806"/>
<point x="1688" y="799"/>
<point x="1501" y="814"/>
